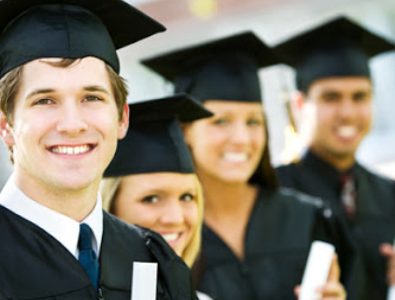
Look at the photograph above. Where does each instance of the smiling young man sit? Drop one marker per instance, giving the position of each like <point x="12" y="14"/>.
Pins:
<point x="63" y="109"/>
<point x="335" y="87"/>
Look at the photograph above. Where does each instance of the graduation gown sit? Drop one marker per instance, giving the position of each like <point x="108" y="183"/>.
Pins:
<point x="34" y="265"/>
<point x="373" y="223"/>
<point x="278" y="236"/>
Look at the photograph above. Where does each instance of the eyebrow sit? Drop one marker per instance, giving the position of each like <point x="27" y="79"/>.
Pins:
<point x="96" y="88"/>
<point x="40" y="91"/>
<point x="91" y="88"/>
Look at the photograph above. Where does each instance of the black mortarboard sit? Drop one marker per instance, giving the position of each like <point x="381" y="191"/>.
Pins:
<point x="32" y="29"/>
<point x="155" y="141"/>
<point x="339" y="47"/>
<point x="224" y="69"/>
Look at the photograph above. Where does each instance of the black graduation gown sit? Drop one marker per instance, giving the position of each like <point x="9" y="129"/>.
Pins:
<point x="373" y="224"/>
<point x="34" y="265"/>
<point x="280" y="230"/>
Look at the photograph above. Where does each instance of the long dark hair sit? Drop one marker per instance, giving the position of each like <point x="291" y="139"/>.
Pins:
<point x="265" y="174"/>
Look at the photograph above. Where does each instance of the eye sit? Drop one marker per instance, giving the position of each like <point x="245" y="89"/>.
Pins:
<point x="331" y="97"/>
<point x="150" y="199"/>
<point x="254" y="122"/>
<point x="361" y="97"/>
<point x="220" y="121"/>
<point x="90" y="98"/>
<point x="43" y="101"/>
<point x="187" y="197"/>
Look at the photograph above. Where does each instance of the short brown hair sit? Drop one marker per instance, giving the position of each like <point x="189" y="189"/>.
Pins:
<point x="9" y="85"/>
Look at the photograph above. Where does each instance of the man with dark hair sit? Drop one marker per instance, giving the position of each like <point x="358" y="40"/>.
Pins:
<point x="63" y="108"/>
<point x="334" y="81"/>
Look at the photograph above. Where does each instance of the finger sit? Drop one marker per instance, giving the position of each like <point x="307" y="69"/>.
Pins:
<point x="386" y="249"/>
<point x="333" y="290"/>
<point x="391" y="279"/>
<point x="334" y="271"/>
<point x="391" y="271"/>
<point x="297" y="290"/>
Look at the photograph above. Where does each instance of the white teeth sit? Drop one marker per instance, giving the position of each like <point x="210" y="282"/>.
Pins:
<point x="169" y="237"/>
<point x="235" y="157"/>
<point x="346" y="131"/>
<point x="71" y="150"/>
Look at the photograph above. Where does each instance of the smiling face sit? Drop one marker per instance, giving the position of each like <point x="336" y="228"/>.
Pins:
<point x="342" y="116"/>
<point x="229" y="145"/>
<point x="65" y="126"/>
<point x="163" y="202"/>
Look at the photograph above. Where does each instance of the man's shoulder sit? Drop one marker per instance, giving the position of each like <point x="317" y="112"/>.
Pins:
<point x="374" y="179"/>
<point x="289" y="167"/>
<point x="369" y="172"/>
<point x="116" y="233"/>
<point x="123" y="243"/>
<point x="111" y="222"/>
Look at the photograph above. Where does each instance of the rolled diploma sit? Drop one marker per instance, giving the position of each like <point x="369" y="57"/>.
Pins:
<point x="144" y="281"/>
<point x="317" y="269"/>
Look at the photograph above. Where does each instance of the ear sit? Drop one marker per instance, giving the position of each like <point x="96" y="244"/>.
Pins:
<point x="6" y="131"/>
<point x="187" y="128"/>
<point x="124" y="122"/>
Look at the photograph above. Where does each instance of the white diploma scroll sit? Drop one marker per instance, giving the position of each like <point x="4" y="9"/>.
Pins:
<point x="317" y="269"/>
<point x="391" y="293"/>
<point x="144" y="281"/>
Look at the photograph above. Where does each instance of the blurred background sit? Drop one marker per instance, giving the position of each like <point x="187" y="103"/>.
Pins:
<point x="194" y="21"/>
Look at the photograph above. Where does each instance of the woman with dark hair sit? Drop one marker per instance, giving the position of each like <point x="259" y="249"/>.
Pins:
<point x="256" y="236"/>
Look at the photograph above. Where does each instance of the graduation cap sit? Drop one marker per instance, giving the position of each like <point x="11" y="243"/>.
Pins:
<point x="32" y="29"/>
<point x="155" y="141"/>
<point x="223" y="69"/>
<point x="339" y="47"/>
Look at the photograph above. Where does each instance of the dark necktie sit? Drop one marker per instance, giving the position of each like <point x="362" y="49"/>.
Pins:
<point x="348" y="194"/>
<point x="87" y="256"/>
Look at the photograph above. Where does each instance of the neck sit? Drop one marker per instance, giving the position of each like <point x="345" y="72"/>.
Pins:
<point x="76" y="204"/>
<point x="339" y="162"/>
<point x="225" y="198"/>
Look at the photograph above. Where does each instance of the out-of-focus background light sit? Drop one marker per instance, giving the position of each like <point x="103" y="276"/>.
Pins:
<point x="204" y="9"/>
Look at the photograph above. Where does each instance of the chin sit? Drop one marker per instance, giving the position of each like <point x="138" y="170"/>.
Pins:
<point x="74" y="184"/>
<point x="343" y="153"/>
<point x="236" y="178"/>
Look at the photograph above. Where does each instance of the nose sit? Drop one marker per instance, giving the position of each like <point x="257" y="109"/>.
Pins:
<point x="240" y="133"/>
<point x="71" y="120"/>
<point x="172" y="213"/>
<point x="347" y="109"/>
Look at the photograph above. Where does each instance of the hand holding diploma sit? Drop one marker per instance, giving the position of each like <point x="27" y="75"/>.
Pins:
<point x="322" y="262"/>
<point x="388" y="251"/>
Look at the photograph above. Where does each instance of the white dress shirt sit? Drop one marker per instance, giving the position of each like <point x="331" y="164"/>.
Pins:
<point x="61" y="227"/>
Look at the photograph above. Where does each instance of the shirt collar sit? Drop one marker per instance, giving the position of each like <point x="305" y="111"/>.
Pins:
<point x="61" y="227"/>
<point x="330" y="173"/>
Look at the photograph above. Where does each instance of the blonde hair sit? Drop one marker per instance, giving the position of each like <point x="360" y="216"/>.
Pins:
<point x="109" y="188"/>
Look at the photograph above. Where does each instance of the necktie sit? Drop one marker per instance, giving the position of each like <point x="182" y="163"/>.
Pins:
<point x="348" y="194"/>
<point x="87" y="256"/>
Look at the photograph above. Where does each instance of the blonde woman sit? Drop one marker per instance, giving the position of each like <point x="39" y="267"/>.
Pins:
<point x="151" y="181"/>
